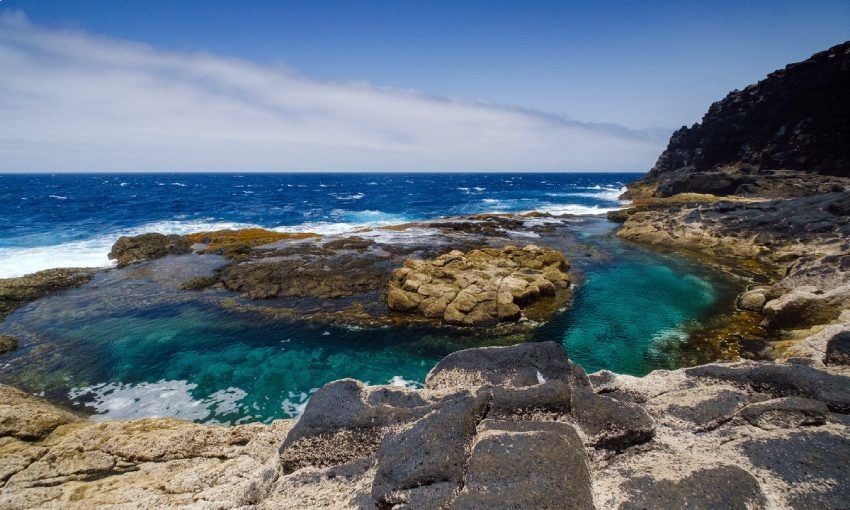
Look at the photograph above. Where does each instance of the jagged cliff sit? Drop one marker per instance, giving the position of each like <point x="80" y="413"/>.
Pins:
<point x="797" y="118"/>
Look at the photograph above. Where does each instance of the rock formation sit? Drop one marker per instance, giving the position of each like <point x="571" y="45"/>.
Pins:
<point x="763" y="184"/>
<point x="15" y="292"/>
<point x="797" y="118"/>
<point x="512" y="427"/>
<point x="146" y="247"/>
<point x="481" y="287"/>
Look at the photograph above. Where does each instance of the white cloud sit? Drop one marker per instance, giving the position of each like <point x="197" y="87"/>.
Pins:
<point x="70" y="101"/>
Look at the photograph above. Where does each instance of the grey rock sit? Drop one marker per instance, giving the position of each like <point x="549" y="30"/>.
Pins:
<point x="720" y="488"/>
<point x="787" y="412"/>
<point x="518" y="365"/>
<point x="609" y="423"/>
<point x="433" y="450"/>
<point x="129" y="249"/>
<point x="815" y="464"/>
<point x="518" y="465"/>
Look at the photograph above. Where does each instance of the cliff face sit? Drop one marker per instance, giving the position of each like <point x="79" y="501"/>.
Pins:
<point x="798" y="118"/>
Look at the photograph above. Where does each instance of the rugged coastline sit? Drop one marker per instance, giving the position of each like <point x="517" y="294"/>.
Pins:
<point x="724" y="435"/>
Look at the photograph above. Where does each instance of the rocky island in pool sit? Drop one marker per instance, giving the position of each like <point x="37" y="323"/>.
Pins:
<point x="689" y="349"/>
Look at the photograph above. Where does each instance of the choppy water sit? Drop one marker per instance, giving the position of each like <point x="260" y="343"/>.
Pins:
<point x="121" y="351"/>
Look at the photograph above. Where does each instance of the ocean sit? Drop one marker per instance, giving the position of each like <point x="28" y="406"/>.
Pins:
<point x="120" y="351"/>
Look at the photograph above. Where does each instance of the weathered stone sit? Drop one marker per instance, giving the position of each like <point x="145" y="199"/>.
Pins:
<point x="526" y="465"/>
<point x="814" y="464"/>
<point x="479" y="288"/>
<point x="432" y="450"/>
<point x="199" y="283"/>
<point x="14" y="292"/>
<point x="719" y="488"/>
<point x="517" y="366"/>
<point x="784" y="381"/>
<point x="752" y="300"/>
<point x="26" y="417"/>
<point x="788" y="412"/>
<point x="129" y="249"/>
<point x="609" y="423"/>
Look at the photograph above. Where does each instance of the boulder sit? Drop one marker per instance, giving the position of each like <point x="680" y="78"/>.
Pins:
<point x="609" y="423"/>
<point x="520" y="365"/>
<point x="479" y="288"/>
<point x="24" y="416"/>
<point x="752" y="300"/>
<point x="129" y="249"/>
<point x="505" y="454"/>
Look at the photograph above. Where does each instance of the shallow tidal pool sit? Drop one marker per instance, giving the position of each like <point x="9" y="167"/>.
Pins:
<point x="121" y="352"/>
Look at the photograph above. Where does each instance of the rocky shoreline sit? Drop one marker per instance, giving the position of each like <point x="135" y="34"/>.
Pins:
<point x="519" y="426"/>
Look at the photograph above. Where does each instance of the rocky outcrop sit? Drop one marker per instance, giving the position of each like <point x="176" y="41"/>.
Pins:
<point x="797" y="118"/>
<point x="511" y="427"/>
<point x="761" y="186"/>
<point x="15" y="292"/>
<point x="129" y="249"/>
<point x="481" y="287"/>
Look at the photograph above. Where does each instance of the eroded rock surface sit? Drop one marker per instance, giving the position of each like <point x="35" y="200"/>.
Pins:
<point x="15" y="292"/>
<point x="481" y="287"/>
<point x="129" y="249"/>
<point x="494" y="428"/>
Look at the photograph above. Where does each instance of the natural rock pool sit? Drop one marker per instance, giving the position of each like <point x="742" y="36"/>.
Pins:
<point x="134" y="347"/>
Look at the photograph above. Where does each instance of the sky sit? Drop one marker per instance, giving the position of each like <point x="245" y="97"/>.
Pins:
<point x="120" y="85"/>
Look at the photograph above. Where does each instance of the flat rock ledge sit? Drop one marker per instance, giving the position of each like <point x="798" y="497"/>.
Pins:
<point x="481" y="287"/>
<point x="493" y="428"/>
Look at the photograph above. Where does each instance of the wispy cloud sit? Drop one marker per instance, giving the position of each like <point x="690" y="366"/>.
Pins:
<point x="71" y="101"/>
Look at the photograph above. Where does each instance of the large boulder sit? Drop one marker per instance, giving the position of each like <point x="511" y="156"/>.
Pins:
<point x="129" y="249"/>
<point x="481" y="287"/>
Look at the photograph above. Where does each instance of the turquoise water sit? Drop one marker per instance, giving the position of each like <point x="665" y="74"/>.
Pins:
<point x="128" y="347"/>
<point x="131" y="349"/>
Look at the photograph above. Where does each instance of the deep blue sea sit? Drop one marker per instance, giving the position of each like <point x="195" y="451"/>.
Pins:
<point x="631" y="313"/>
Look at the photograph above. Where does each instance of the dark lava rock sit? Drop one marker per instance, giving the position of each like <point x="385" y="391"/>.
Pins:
<point x="519" y="365"/>
<point x="344" y="421"/>
<point x="784" y="381"/>
<point x="711" y="413"/>
<point x="147" y="247"/>
<point x="720" y="488"/>
<point x="797" y="118"/>
<point x="788" y="413"/>
<point x="551" y="397"/>
<point x="7" y="344"/>
<point x="526" y="465"/>
<point x="816" y="464"/>
<point x="433" y="450"/>
<point x="14" y="292"/>
<point x="838" y="349"/>
<point x="609" y="423"/>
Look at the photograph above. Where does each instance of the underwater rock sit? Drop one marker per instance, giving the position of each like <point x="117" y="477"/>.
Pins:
<point x="481" y="287"/>
<point x="7" y="344"/>
<point x="129" y="249"/>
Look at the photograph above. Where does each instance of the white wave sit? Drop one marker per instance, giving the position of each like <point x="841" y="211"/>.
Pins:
<point x="120" y="401"/>
<point x="400" y="382"/>
<point x="609" y="194"/>
<point x="58" y="197"/>
<point x="491" y="200"/>
<point x="348" y="196"/>
<point x="180" y="184"/>
<point x="579" y="210"/>
<point x="479" y="188"/>
<point x="124" y="184"/>
<point x="93" y="252"/>
<point x="296" y="403"/>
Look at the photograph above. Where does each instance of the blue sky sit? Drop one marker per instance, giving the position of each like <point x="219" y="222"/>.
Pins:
<point x="646" y="66"/>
